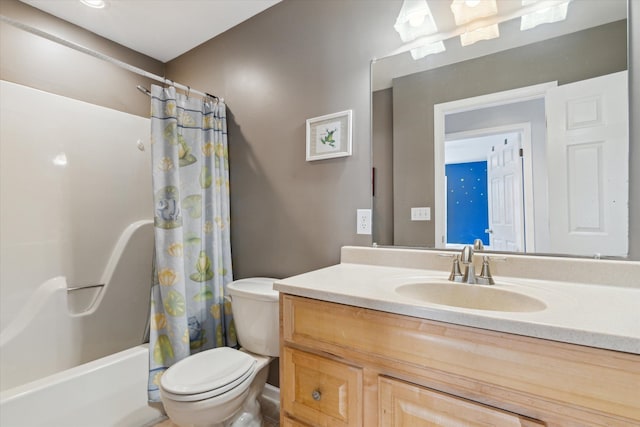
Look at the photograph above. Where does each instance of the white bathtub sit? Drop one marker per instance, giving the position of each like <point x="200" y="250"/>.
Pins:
<point x="72" y="356"/>
<point x="108" y="392"/>
<point x="59" y="328"/>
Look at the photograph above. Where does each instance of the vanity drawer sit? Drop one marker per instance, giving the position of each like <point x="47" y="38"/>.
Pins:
<point x="405" y="404"/>
<point x="320" y="391"/>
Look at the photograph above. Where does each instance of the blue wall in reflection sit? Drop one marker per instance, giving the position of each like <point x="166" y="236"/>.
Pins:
<point x="467" y="208"/>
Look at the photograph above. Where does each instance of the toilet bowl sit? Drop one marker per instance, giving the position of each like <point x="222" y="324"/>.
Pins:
<point x="220" y="387"/>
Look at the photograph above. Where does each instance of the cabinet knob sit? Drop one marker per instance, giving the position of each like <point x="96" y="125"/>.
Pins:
<point x="316" y="395"/>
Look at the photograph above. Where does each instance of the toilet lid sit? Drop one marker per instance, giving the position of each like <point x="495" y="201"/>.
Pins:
<point x="219" y="369"/>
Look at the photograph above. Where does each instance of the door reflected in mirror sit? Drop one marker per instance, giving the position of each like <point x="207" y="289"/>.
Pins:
<point x="581" y="203"/>
<point x="509" y="147"/>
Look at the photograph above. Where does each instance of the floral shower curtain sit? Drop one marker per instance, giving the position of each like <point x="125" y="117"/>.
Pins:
<point x="192" y="239"/>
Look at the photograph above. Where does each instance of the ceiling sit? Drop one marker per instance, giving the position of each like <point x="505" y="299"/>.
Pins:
<point x="161" y="29"/>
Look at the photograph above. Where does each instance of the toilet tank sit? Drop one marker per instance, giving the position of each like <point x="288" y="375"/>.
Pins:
<point x="255" y="309"/>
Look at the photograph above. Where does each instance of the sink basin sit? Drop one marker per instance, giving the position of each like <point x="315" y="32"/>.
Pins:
<point x="477" y="297"/>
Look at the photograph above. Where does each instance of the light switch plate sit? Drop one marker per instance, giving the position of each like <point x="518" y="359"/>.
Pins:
<point x="421" y="214"/>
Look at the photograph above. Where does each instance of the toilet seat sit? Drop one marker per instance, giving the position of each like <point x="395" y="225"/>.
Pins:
<point x="208" y="374"/>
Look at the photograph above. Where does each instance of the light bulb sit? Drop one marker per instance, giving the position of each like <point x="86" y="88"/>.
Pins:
<point x="96" y="4"/>
<point x="60" y="159"/>
<point x="416" y="20"/>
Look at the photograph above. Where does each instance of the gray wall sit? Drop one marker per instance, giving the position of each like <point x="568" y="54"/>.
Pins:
<point x="634" y="158"/>
<point x="578" y="56"/>
<point x="36" y="62"/>
<point x="382" y="148"/>
<point x="296" y="60"/>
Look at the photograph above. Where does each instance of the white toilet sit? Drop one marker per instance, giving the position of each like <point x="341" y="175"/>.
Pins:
<point x="220" y="387"/>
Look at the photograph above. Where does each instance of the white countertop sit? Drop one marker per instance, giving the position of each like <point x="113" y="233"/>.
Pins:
<point x="587" y="314"/>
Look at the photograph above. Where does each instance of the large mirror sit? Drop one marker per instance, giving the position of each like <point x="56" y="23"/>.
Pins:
<point x="519" y="141"/>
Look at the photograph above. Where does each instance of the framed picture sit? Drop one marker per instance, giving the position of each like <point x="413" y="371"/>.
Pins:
<point x="329" y="136"/>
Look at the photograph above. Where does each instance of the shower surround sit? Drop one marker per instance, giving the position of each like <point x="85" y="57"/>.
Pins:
<point x="76" y="249"/>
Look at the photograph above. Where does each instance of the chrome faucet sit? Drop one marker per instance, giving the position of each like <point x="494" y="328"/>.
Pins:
<point x="466" y="258"/>
<point x="469" y="276"/>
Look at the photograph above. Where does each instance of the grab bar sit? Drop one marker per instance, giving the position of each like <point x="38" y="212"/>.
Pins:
<point x="76" y="288"/>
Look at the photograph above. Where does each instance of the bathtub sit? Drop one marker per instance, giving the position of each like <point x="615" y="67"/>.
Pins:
<point x="61" y="327"/>
<point x="73" y="356"/>
<point x="108" y="392"/>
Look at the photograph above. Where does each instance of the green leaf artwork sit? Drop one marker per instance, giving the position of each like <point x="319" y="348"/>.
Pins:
<point x="193" y="205"/>
<point x="204" y="294"/>
<point x="162" y="351"/>
<point x="192" y="239"/>
<point x="174" y="303"/>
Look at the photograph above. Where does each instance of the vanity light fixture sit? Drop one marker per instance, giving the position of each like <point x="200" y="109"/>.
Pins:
<point x="415" y="20"/>
<point x="554" y="13"/>
<point x="427" y="49"/>
<point x="96" y="4"/>
<point x="465" y="11"/>
<point x="477" y="29"/>
<point x="484" y="33"/>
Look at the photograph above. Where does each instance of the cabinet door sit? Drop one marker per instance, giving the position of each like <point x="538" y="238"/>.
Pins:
<point x="407" y="405"/>
<point x="320" y="391"/>
<point x="289" y="422"/>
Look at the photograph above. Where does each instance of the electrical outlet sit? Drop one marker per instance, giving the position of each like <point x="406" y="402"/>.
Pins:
<point x="420" y="214"/>
<point x="363" y="224"/>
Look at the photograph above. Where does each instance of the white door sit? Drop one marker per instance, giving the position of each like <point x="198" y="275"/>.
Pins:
<point x="588" y="147"/>
<point x="505" y="196"/>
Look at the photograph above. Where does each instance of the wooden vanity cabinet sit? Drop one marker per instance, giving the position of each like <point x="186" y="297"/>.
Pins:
<point x="347" y="366"/>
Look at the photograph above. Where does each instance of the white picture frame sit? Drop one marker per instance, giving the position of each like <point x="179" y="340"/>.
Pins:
<point x="329" y="136"/>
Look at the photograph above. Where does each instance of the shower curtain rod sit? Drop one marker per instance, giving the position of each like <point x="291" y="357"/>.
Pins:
<point x="104" y="57"/>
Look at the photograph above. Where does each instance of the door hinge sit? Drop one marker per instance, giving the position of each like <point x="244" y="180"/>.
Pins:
<point x="521" y="152"/>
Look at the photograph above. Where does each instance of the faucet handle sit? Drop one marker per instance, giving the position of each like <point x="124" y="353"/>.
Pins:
<point x="485" y="277"/>
<point x="456" y="273"/>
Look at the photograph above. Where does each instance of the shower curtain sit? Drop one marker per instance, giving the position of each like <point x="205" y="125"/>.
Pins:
<point x="192" y="239"/>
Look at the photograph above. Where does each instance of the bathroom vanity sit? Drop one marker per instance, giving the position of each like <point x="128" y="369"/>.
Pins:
<point x="357" y="352"/>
